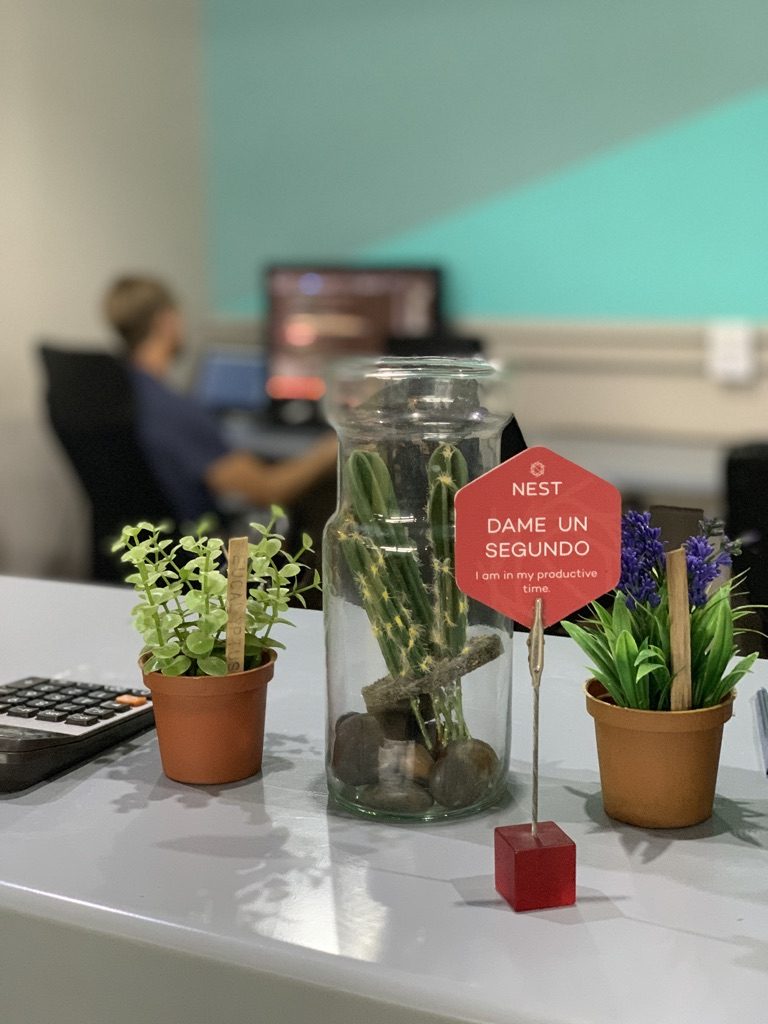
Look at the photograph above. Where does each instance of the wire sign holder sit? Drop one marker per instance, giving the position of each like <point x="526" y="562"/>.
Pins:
<point x="535" y="667"/>
<point x="537" y="538"/>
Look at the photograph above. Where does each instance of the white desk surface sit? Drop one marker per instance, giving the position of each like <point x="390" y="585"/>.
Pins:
<point x="669" y="927"/>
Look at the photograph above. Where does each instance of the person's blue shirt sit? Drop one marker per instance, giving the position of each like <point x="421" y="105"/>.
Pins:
<point x="179" y="440"/>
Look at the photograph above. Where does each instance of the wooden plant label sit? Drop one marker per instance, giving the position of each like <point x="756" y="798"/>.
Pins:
<point x="537" y="526"/>
<point x="679" y="630"/>
<point x="237" y="594"/>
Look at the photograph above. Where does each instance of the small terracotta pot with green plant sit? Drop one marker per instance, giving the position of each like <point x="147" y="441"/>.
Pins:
<point x="209" y="646"/>
<point x="664" y="675"/>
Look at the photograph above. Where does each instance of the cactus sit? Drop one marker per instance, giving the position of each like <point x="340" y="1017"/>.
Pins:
<point x="447" y="471"/>
<point x="417" y="631"/>
<point x="383" y="561"/>
<point x="374" y="506"/>
<point x="399" y="635"/>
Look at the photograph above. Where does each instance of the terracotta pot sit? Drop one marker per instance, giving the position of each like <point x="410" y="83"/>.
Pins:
<point x="657" y="768"/>
<point x="211" y="728"/>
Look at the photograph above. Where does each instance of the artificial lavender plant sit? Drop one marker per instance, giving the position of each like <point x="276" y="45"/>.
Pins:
<point x="629" y="644"/>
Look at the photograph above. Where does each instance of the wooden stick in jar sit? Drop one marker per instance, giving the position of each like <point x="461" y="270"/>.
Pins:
<point x="237" y="594"/>
<point x="679" y="630"/>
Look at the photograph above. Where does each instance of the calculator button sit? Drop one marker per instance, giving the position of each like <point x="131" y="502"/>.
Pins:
<point x="131" y="700"/>
<point x="68" y="707"/>
<point x="14" y="700"/>
<point x="20" y="684"/>
<point x="80" y="718"/>
<point x="46" y="688"/>
<point x="82" y="702"/>
<point x="19" y="711"/>
<point x="40" y="702"/>
<point x="99" y="712"/>
<point x="71" y="691"/>
<point x="52" y="715"/>
<point x="99" y="696"/>
<point x="117" y="708"/>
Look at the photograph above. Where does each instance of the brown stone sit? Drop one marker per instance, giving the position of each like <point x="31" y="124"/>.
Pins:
<point x="417" y="763"/>
<point x="463" y="774"/>
<point x="401" y="797"/>
<point x="397" y="725"/>
<point x="356" y="747"/>
<point x="404" y="759"/>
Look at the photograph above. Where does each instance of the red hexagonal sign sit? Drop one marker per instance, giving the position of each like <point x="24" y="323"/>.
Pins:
<point x="538" y="526"/>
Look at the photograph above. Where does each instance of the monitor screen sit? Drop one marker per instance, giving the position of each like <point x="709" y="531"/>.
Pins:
<point x="317" y="314"/>
<point x="229" y="380"/>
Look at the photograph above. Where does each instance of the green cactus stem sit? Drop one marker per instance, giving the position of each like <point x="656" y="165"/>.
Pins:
<point x="398" y="638"/>
<point x="403" y="641"/>
<point x="374" y="507"/>
<point x="447" y="472"/>
<point x="421" y="631"/>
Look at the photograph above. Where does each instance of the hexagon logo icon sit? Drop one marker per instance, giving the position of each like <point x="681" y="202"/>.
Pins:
<point x="538" y="526"/>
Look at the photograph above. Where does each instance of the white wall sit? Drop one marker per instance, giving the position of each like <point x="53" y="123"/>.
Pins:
<point x="100" y="172"/>
<point x="638" y="403"/>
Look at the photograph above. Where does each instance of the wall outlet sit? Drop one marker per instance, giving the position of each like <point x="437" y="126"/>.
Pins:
<point x="731" y="355"/>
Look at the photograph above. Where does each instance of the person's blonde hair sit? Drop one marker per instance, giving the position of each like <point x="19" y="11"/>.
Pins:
<point x="131" y="305"/>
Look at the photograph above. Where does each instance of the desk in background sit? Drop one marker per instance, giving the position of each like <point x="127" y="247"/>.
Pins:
<point x="258" y="434"/>
<point x="129" y="899"/>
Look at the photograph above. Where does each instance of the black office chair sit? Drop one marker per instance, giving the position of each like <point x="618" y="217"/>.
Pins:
<point x="746" y="486"/>
<point x="90" y="407"/>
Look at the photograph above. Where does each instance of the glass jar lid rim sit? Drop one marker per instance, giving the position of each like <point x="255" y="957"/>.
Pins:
<point x="399" y="367"/>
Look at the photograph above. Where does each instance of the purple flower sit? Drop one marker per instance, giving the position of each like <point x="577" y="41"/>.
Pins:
<point x="703" y="566"/>
<point x="642" y="557"/>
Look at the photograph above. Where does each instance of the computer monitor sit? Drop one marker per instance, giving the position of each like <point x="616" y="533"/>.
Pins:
<point x="231" y="380"/>
<point x="317" y="314"/>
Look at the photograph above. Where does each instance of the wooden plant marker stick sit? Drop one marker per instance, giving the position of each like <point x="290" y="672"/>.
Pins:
<point x="536" y="667"/>
<point x="237" y="594"/>
<point x="679" y="630"/>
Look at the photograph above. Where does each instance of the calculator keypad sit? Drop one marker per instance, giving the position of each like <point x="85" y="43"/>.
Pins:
<point x="64" y="706"/>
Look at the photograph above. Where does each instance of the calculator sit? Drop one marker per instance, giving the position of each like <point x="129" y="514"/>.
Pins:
<point x="47" y="725"/>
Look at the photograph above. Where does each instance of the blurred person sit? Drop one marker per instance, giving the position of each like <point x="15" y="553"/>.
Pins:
<point x="182" y="443"/>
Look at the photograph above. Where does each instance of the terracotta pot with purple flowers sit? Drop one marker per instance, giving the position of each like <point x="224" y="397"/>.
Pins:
<point x="658" y="766"/>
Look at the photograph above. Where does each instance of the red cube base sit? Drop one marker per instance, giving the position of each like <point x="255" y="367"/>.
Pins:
<point x="535" y="871"/>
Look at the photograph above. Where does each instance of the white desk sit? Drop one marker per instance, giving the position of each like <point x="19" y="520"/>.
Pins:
<point x="125" y="897"/>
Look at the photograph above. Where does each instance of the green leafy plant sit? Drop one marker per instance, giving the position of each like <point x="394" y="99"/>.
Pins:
<point x="182" y="614"/>
<point x="629" y="643"/>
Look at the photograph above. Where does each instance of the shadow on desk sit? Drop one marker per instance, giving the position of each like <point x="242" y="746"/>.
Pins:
<point x="742" y="822"/>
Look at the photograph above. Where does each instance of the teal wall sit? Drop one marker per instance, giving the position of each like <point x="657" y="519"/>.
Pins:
<point x="562" y="158"/>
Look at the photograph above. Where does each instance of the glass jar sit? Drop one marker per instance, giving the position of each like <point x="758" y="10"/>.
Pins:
<point x="419" y="676"/>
